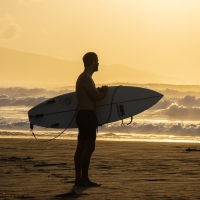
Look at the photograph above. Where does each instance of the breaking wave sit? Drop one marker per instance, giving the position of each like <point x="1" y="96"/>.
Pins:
<point x="177" y="113"/>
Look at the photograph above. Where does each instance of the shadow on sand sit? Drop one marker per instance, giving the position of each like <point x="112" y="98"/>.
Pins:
<point x="75" y="193"/>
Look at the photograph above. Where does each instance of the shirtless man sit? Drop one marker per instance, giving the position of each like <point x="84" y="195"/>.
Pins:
<point x="87" y="95"/>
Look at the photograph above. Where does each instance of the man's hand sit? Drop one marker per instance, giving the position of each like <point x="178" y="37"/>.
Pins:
<point x="103" y="88"/>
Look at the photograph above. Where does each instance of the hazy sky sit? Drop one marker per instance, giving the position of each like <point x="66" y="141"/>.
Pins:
<point x="160" y="36"/>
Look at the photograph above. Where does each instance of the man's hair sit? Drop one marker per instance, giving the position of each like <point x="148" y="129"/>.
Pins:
<point x="88" y="58"/>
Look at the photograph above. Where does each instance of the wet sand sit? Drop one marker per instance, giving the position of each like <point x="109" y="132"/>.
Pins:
<point x="126" y="170"/>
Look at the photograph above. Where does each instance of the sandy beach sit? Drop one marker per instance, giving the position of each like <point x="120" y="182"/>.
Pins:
<point x="126" y="170"/>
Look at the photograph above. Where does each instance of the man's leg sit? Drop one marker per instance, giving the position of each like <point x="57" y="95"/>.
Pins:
<point x="89" y="147"/>
<point x="77" y="161"/>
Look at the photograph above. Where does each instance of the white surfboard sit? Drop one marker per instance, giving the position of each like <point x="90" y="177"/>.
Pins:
<point x="119" y="103"/>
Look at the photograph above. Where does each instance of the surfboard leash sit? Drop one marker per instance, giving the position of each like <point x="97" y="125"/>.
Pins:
<point x="122" y="124"/>
<point x="112" y="103"/>
<point x="31" y="127"/>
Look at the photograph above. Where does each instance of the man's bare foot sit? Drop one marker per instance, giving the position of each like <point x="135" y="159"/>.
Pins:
<point x="89" y="183"/>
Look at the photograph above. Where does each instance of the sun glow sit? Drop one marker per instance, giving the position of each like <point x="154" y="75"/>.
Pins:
<point x="158" y="36"/>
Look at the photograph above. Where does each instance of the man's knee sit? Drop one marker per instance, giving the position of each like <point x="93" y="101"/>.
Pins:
<point x="90" y="146"/>
<point x="89" y="150"/>
<point x="92" y="149"/>
<point x="79" y="149"/>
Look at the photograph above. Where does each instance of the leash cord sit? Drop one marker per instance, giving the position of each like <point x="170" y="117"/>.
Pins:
<point x="59" y="133"/>
<point x="111" y="104"/>
<point x="75" y="115"/>
<point x="111" y="108"/>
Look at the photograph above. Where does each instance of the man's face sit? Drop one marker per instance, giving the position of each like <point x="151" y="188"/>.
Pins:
<point x="96" y="64"/>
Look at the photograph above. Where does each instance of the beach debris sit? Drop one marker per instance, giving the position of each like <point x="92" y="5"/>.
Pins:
<point x="48" y="165"/>
<point x="14" y="158"/>
<point x="192" y="149"/>
<point x="25" y="197"/>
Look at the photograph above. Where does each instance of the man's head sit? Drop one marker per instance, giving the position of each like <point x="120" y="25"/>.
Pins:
<point x="90" y="59"/>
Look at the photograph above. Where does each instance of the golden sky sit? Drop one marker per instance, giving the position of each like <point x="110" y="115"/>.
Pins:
<point x="159" y="36"/>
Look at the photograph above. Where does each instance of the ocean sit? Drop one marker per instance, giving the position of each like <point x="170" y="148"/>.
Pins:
<point x="175" y="118"/>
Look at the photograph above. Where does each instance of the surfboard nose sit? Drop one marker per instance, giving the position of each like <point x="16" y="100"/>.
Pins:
<point x="156" y="94"/>
<point x="159" y="94"/>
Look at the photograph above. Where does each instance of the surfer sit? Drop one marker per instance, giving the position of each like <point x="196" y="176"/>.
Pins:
<point x="87" y="95"/>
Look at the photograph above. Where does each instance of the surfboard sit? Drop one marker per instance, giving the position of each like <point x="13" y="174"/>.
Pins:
<point x="120" y="102"/>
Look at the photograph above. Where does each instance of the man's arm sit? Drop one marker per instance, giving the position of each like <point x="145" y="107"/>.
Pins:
<point x="91" y="90"/>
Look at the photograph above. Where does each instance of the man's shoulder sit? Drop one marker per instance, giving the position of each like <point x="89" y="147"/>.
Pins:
<point x="84" y="77"/>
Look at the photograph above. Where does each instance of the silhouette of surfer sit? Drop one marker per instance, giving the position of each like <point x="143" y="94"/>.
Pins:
<point x="87" y="95"/>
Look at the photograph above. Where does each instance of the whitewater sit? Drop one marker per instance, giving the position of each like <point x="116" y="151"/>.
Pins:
<point x="175" y="118"/>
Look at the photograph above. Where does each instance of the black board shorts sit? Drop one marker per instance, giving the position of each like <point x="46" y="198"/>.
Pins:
<point x="87" y="123"/>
